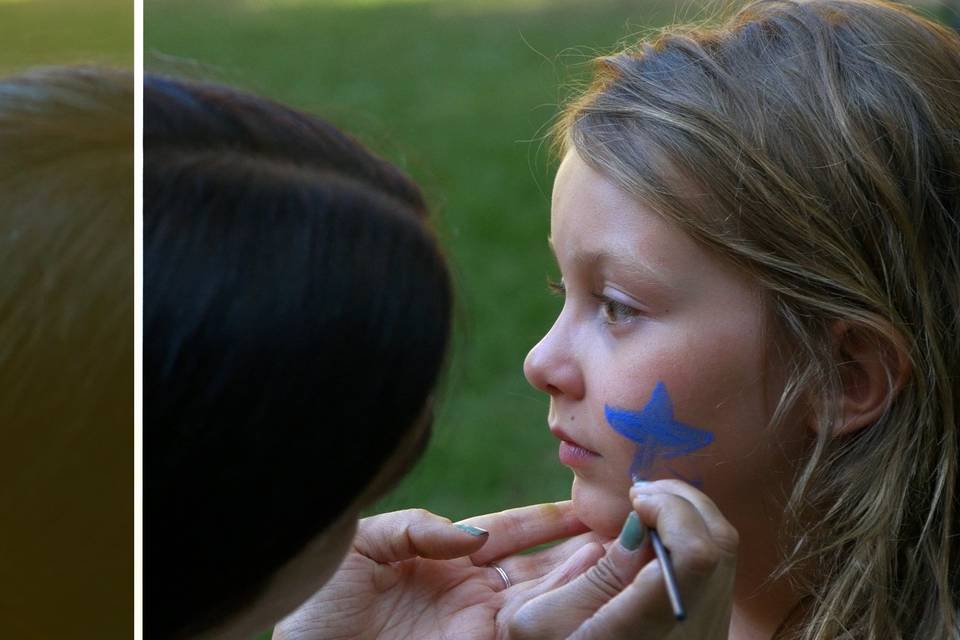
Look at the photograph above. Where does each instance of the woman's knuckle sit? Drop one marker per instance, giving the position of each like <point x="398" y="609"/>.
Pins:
<point x="604" y="579"/>
<point x="727" y="539"/>
<point x="654" y="502"/>
<point x="672" y="485"/>
<point x="523" y="625"/>
<point x="700" y="556"/>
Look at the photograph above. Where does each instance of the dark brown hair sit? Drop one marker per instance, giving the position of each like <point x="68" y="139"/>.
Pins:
<point x="296" y="318"/>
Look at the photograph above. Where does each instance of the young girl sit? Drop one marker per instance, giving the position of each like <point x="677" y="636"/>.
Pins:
<point x="758" y="231"/>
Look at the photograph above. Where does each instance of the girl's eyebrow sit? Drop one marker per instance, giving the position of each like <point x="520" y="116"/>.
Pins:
<point x="629" y="262"/>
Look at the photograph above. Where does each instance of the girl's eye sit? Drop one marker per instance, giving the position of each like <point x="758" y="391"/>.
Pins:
<point x="616" y="312"/>
<point x="556" y="287"/>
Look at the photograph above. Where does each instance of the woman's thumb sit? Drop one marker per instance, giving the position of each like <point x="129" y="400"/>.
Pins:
<point x="560" y="612"/>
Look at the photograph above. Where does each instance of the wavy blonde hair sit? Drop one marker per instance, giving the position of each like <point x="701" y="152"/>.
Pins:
<point x="817" y="145"/>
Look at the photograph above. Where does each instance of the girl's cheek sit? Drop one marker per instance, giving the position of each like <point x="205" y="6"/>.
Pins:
<point x="629" y="379"/>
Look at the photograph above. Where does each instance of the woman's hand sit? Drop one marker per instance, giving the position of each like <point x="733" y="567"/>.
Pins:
<point x="412" y="574"/>
<point x="623" y="596"/>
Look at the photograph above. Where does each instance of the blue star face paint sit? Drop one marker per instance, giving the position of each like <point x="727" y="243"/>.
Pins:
<point x="655" y="432"/>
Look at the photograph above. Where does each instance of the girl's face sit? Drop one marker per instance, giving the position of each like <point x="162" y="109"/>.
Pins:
<point x="647" y="308"/>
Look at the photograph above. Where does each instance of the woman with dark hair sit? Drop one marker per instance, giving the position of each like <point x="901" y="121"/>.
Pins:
<point x="296" y="318"/>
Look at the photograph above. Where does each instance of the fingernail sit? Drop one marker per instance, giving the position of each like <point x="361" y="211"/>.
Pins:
<point x="474" y="531"/>
<point x="640" y="484"/>
<point x="633" y="532"/>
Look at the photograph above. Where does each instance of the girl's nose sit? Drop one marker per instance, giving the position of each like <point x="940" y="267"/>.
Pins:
<point x="552" y="366"/>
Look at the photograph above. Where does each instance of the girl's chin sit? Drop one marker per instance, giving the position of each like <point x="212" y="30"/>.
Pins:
<point x="600" y="508"/>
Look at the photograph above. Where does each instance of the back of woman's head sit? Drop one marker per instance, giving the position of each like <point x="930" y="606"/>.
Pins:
<point x="817" y="145"/>
<point x="296" y="316"/>
<point x="66" y="352"/>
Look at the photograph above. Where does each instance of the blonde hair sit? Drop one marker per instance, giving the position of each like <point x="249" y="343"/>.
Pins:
<point x="817" y="145"/>
<point x="66" y="353"/>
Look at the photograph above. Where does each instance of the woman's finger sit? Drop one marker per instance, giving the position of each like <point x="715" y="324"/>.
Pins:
<point x="686" y="533"/>
<point x="720" y="529"/>
<point x="522" y="568"/>
<point x="560" y="612"/>
<point x="520" y="529"/>
<point x="704" y="574"/>
<point x="573" y="565"/>
<point x="400" y="535"/>
<point x="703" y="567"/>
<point x="642" y="610"/>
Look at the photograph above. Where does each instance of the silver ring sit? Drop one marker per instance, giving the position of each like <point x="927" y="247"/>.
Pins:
<point x="503" y="575"/>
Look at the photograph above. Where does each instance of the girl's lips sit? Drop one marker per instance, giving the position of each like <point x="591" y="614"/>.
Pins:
<point x="571" y="452"/>
<point x="574" y="456"/>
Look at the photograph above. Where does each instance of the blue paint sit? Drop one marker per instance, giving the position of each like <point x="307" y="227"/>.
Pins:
<point x="656" y="433"/>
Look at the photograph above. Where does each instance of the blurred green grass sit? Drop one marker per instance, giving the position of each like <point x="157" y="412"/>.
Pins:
<point x="458" y="94"/>
<point x="43" y="32"/>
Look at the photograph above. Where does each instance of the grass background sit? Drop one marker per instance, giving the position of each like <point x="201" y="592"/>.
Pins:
<point x="38" y="32"/>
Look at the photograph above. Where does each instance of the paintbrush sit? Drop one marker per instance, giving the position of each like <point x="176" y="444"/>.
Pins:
<point x="666" y="568"/>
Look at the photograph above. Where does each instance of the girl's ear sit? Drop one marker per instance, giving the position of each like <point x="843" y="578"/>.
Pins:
<point x="873" y="369"/>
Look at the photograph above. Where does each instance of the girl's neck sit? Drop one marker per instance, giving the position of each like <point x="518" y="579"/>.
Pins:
<point x="762" y="606"/>
<point x="761" y="617"/>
